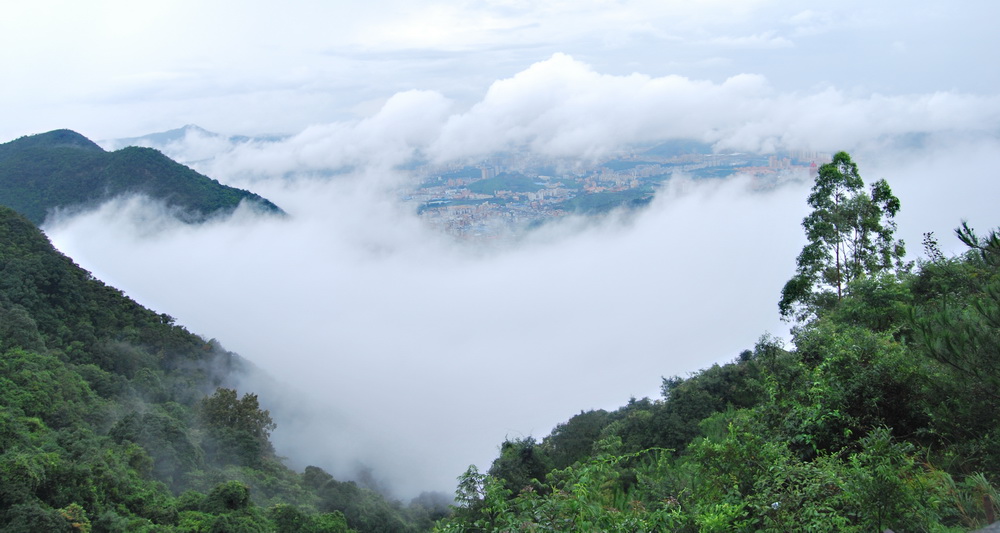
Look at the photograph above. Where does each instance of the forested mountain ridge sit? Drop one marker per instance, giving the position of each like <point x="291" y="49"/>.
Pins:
<point x="114" y="419"/>
<point x="63" y="169"/>
<point x="883" y="414"/>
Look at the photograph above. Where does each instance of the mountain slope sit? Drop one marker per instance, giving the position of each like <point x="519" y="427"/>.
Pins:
<point x="62" y="169"/>
<point x="880" y="415"/>
<point x="113" y="419"/>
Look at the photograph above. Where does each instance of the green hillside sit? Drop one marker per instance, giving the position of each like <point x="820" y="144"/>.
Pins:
<point x="113" y="419"/>
<point x="61" y="169"/>
<point x="882" y="414"/>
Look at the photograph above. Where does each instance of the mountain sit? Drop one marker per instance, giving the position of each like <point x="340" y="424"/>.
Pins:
<point x="114" y="419"/>
<point x="162" y="139"/>
<point x="52" y="139"/>
<point x="63" y="169"/>
<point x="165" y="137"/>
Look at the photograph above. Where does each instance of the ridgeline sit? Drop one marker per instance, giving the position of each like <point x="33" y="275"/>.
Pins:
<point x="63" y="169"/>
<point x="114" y="419"/>
<point x="883" y="413"/>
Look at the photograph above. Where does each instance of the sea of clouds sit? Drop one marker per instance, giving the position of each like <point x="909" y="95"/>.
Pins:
<point x="397" y="348"/>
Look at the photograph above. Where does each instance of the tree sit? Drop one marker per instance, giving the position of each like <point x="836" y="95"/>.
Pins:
<point x="573" y="440"/>
<point x="963" y="331"/>
<point x="238" y="428"/>
<point x="225" y="410"/>
<point x="521" y="465"/>
<point x="850" y="234"/>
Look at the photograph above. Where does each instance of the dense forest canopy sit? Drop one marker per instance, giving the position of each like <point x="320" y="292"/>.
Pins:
<point x="115" y="419"/>
<point x="882" y="413"/>
<point x="63" y="169"/>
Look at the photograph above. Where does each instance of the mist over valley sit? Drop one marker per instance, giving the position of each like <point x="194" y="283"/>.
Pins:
<point x="414" y="348"/>
<point x="522" y="260"/>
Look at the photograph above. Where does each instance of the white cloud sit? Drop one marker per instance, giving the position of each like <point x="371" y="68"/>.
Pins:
<point x="561" y="107"/>
<point x="250" y="68"/>
<point x="405" y="122"/>
<point x="418" y="357"/>
<point x="810" y="22"/>
<point x="428" y="354"/>
<point x="431" y="354"/>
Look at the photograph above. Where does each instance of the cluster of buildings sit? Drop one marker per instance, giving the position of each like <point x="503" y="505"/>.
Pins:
<point x="505" y="194"/>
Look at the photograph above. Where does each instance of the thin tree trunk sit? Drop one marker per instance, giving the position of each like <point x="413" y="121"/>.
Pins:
<point x="839" y="275"/>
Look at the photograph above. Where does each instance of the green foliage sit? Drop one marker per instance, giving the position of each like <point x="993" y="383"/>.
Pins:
<point x="229" y="496"/>
<point x="690" y="401"/>
<point x="223" y="409"/>
<point x="573" y="441"/>
<point x="603" y="202"/>
<point x="585" y="497"/>
<point x="520" y="465"/>
<point x="105" y="426"/>
<point x="364" y="509"/>
<point x="334" y="522"/>
<point x="62" y="169"/>
<point x="975" y="499"/>
<point x="288" y="519"/>
<point x="851" y="380"/>
<point x="32" y="518"/>
<point x="963" y="332"/>
<point x="879" y="486"/>
<point x="955" y="323"/>
<point x="850" y="235"/>
<point x="79" y="318"/>
<point x="24" y="472"/>
<point x="238" y="429"/>
<point x="894" y="489"/>
<point x="18" y="329"/>
<point x="882" y="414"/>
<point x="880" y="302"/>
<point x="42" y="386"/>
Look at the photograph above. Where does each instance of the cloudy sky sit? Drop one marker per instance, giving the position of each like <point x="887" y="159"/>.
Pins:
<point x="112" y="69"/>
<point x="419" y="355"/>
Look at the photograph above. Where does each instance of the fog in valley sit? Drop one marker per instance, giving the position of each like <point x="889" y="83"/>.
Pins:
<point x="414" y="354"/>
<point x="390" y="349"/>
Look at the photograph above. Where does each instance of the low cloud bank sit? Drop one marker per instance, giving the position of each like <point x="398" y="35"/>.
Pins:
<point x="562" y="108"/>
<point x="417" y="356"/>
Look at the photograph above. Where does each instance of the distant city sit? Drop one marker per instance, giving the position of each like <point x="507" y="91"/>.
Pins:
<point x="505" y="194"/>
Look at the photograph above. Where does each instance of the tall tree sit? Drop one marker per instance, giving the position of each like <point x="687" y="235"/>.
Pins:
<point x="239" y="428"/>
<point x="225" y="410"/>
<point x="851" y="234"/>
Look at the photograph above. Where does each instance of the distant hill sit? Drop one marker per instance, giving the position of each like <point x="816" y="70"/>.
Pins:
<point x="676" y="147"/>
<point x="62" y="168"/>
<point x="162" y="139"/>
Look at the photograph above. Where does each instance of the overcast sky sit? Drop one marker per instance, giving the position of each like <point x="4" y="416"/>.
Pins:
<point x="421" y="355"/>
<point x="114" y="69"/>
